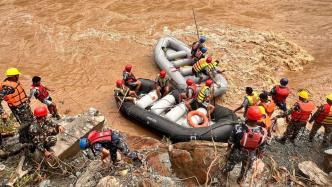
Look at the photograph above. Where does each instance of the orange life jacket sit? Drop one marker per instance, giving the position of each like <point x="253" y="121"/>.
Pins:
<point x="99" y="137"/>
<point x="268" y="106"/>
<point x="252" y="138"/>
<point x="325" y="116"/>
<point x="281" y="94"/>
<point x="304" y="113"/>
<point x="42" y="92"/>
<point x="18" y="97"/>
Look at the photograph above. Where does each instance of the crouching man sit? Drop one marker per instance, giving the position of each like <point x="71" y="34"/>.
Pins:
<point x="107" y="143"/>
<point x="43" y="131"/>
<point x="246" y="142"/>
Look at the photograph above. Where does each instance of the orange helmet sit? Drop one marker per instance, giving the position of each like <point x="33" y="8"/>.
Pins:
<point x="128" y="67"/>
<point x="208" y="82"/>
<point x="119" y="83"/>
<point x="162" y="74"/>
<point x="209" y="59"/>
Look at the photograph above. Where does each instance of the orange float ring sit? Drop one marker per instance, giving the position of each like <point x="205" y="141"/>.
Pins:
<point x="200" y="114"/>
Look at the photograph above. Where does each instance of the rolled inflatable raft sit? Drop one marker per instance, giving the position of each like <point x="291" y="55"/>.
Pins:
<point x="169" y="118"/>
<point x="174" y="57"/>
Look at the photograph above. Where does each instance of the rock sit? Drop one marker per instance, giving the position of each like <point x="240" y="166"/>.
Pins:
<point x="89" y="176"/>
<point x="311" y="170"/>
<point x="45" y="183"/>
<point x="159" y="162"/>
<point x="78" y="174"/>
<point x="148" y="183"/>
<point x="193" y="159"/>
<point x="123" y="172"/>
<point x="109" y="181"/>
<point x="93" y="111"/>
<point x="327" y="163"/>
<point x="67" y="143"/>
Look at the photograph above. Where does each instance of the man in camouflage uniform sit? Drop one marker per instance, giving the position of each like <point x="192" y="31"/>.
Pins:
<point x="13" y="93"/>
<point x="107" y="143"/>
<point x="44" y="131"/>
<point x="246" y="142"/>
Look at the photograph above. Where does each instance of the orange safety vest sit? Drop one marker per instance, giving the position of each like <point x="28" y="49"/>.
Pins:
<point x="18" y="97"/>
<point x="304" y="113"/>
<point x="269" y="107"/>
<point x="325" y="116"/>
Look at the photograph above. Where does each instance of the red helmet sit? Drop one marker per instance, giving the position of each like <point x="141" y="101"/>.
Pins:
<point x="209" y="59"/>
<point x="254" y="114"/>
<point x="162" y="74"/>
<point x="209" y="82"/>
<point x="40" y="111"/>
<point x="128" y="67"/>
<point x="189" y="82"/>
<point x="119" y="83"/>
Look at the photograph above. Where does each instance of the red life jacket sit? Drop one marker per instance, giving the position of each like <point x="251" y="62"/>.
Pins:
<point x="252" y="138"/>
<point x="198" y="54"/>
<point x="281" y="94"/>
<point x="129" y="78"/>
<point x="42" y="92"/>
<point x="304" y="113"/>
<point x="96" y="137"/>
<point x="325" y="116"/>
<point x="193" y="88"/>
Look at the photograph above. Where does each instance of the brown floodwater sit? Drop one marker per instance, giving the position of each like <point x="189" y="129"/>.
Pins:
<point x="79" y="47"/>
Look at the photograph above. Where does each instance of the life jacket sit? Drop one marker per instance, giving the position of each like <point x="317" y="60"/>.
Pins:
<point x="325" y="117"/>
<point x="18" y="97"/>
<point x="212" y="65"/>
<point x="162" y="82"/>
<point x="252" y="137"/>
<point x="195" y="46"/>
<point x="199" y="54"/>
<point x="42" y="92"/>
<point x="304" y="113"/>
<point x="268" y="106"/>
<point x="200" y="65"/>
<point x="252" y="99"/>
<point x="201" y="95"/>
<point x="128" y="77"/>
<point x="99" y="137"/>
<point x="281" y="94"/>
<point x="194" y="90"/>
<point x="121" y="91"/>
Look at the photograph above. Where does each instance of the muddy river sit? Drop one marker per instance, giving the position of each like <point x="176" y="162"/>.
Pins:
<point x="80" y="47"/>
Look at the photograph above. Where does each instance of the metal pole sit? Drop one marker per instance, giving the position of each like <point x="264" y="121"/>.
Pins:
<point x="195" y="23"/>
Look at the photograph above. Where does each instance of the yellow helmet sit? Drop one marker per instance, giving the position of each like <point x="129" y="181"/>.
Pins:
<point x="329" y="97"/>
<point x="12" y="72"/>
<point x="304" y="94"/>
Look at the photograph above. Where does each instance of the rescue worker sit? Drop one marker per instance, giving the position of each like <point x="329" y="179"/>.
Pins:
<point x="40" y="92"/>
<point x="251" y="99"/>
<point x="189" y="94"/>
<point x="123" y="93"/>
<point x="280" y="93"/>
<point x="43" y="131"/>
<point x="246" y="142"/>
<point x="198" y="45"/>
<point x="323" y="117"/>
<point x="13" y="93"/>
<point x="162" y="83"/>
<point x="201" y="67"/>
<point x="199" y="55"/>
<point x="130" y="79"/>
<point x="300" y="114"/>
<point x="213" y="69"/>
<point x="203" y="98"/>
<point x="268" y="104"/>
<point x="107" y="143"/>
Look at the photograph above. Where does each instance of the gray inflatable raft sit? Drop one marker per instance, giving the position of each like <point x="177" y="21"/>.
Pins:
<point x="174" y="57"/>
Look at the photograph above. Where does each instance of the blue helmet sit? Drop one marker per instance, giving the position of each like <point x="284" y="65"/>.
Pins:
<point x="283" y="81"/>
<point x="83" y="143"/>
<point x="204" y="49"/>
<point x="202" y="39"/>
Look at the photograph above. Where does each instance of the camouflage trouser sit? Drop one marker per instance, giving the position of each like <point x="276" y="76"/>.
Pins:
<point x="281" y="105"/>
<point x="293" y="130"/>
<point x="24" y="117"/>
<point x="50" y="142"/>
<point x="118" y="143"/>
<point x="236" y="156"/>
<point x="327" y="139"/>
